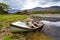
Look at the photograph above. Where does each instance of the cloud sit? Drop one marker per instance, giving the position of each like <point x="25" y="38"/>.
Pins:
<point x="31" y="4"/>
<point x="17" y="4"/>
<point x="28" y="4"/>
<point x="56" y="0"/>
<point x="1" y="1"/>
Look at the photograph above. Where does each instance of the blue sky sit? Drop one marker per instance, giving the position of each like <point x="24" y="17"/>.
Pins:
<point x="28" y="4"/>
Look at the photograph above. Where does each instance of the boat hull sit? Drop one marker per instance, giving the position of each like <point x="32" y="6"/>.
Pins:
<point x="21" y="26"/>
<point x="15" y="29"/>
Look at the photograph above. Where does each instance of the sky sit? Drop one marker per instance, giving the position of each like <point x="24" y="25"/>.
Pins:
<point x="28" y="4"/>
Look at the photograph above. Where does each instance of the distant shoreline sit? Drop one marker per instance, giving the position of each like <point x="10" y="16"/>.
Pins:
<point x="48" y="17"/>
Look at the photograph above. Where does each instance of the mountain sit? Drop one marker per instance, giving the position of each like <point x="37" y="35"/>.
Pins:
<point x="54" y="8"/>
<point x="14" y="11"/>
<point x="37" y="8"/>
<point x="48" y="8"/>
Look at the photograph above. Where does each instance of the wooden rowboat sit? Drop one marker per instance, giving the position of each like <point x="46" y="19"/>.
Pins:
<point x="22" y="26"/>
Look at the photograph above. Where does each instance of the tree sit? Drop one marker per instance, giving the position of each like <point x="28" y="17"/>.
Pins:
<point x="4" y="8"/>
<point x="26" y="12"/>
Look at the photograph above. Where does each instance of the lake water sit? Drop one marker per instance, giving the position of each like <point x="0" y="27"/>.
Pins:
<point x="48" y="17"/>
<point x="52" y="29"/>
<point x="52" y="24"/>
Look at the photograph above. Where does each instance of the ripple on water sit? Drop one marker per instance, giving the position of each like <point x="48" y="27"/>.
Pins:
<point x="52" y="29"/>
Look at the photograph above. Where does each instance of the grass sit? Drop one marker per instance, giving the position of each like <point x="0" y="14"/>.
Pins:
<point x="12" y="17"/>
<point x="7" y="38"/>
<point x="35" y="16"/>
<point x="45" y="12"/>
<point x="5" y="20"/>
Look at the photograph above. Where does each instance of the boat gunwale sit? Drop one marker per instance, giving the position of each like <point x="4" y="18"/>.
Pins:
<point x="24" y="27"/>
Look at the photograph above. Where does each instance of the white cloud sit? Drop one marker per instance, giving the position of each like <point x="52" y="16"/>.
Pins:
<point x="1" y="1"/>
<point x="27" y="4"/>
<point x="30" y="4"/>
<point x="50" y="4"/>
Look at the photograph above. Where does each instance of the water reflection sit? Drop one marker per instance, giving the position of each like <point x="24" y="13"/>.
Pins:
<point x="52" y="29"/>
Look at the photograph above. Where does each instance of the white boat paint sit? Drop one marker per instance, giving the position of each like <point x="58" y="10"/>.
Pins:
<point x="21" y="24"/>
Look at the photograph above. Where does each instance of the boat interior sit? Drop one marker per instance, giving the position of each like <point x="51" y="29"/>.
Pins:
<point x="31" y="24"/>
<point x="34" y="24"/>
